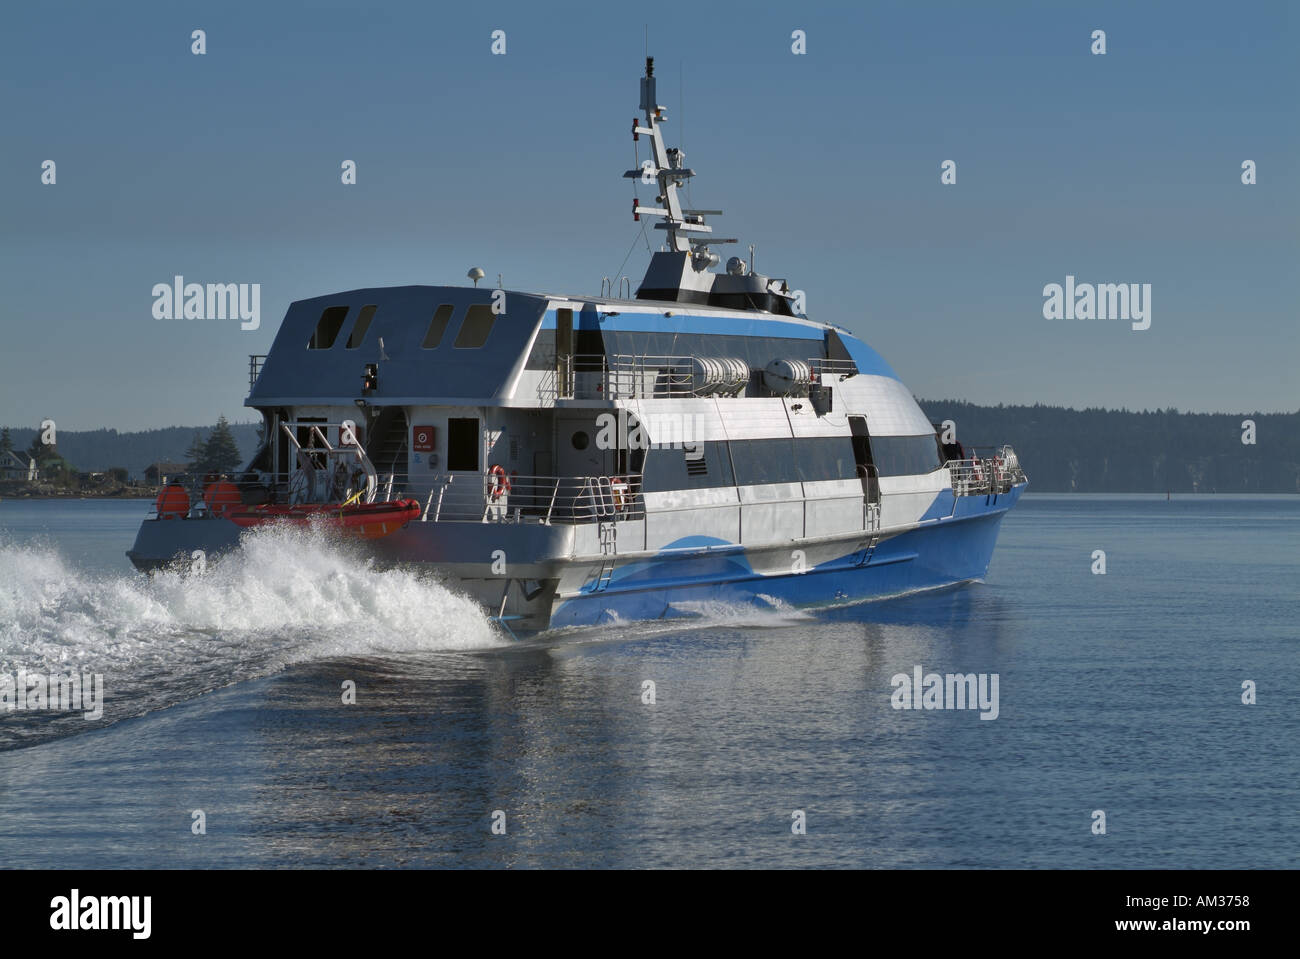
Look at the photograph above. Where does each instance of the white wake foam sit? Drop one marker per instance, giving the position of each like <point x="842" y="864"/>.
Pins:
<point x="289" y="596"/>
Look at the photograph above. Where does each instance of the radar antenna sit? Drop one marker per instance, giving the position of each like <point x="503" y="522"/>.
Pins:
<point x="686" y="229"/>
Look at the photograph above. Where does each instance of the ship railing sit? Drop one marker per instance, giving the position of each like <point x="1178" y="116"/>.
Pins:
<point x="255" y="363"/>
<point x="192" y="483"/>
<point x="582" y="376"/>
<point x="200" y="487"/>
<point x="827" y="371"/>
<point x="258" y="487"/>
<point x="448" y="498"/>
<point x="986" y="470"/>
<point x="645" y="376"/>
<point x="637" y="376"/>
<point x="545" y="500"/>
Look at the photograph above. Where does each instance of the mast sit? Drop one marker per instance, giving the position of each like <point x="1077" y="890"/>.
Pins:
<point x="686" y="229"/>
<point x="682" y="273"/>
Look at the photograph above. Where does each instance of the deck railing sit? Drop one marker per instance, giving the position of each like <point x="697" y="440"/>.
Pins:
<point x="467" y="498"/>
<point x="255" y="361"/>
<point x="483" y="498"/>
<point x="457" y="497"/>
<point x="829" y="371"/>
<point x="647" y="376"/>
<point x="640" y="376"/>
<point x="986" y="470"/>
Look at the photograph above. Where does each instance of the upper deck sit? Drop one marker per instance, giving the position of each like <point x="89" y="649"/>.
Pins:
<point x="450" y="345"/>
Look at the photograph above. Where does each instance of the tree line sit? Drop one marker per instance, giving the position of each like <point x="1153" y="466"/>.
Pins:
<point x="1123" y="451"/>
<point x="222" y="447"/>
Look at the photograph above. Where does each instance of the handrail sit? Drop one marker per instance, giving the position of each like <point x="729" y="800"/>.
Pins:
<point x="822" y="368"/>
<point x="642" y="376"/>
<point x="548" y="500"/>
<point x="255" y="362"/>
<point x="544" y="500"/>
<point x="994" y="472"/>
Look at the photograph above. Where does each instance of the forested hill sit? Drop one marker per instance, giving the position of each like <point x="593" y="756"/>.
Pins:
<point x="1117" y="451"/>
<point x="95" y="450"/>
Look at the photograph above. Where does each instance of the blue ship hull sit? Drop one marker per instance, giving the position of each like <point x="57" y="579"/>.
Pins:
<point x="944" y="551"/>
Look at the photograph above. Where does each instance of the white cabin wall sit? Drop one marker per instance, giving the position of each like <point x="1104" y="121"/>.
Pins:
<point x="888" y="405"/>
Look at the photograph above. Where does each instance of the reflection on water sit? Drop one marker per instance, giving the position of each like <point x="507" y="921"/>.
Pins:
<point x="1109" y="700"/>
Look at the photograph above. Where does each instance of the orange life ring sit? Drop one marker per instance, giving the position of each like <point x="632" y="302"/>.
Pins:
<point x="500" y="482"/>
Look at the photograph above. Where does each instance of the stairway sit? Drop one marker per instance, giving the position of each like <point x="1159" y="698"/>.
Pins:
<point x="387" y="448"/>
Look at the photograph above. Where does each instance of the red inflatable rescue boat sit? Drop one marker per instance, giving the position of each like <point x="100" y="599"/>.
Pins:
<point x="368" y="520"/>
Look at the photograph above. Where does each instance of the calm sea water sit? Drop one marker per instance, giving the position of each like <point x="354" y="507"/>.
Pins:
<point x="1118" y="692"/>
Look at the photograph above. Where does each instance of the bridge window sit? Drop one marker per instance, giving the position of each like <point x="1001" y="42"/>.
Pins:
<point x="327" y="329"/>
<point x="437" y="327"/>
<point x="360" y="327"/>
<point x="476" y="326"/>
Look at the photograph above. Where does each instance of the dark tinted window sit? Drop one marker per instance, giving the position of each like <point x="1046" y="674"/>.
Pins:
<point x="588" y="350"/>
<point x="781" y="460"/>
<point x="437" y="326"/>
<point x="476" y="326"/>
<point x="360" y="327"/>
<point x="698" y="466"/>
<point x="905" y="455"/>
<point x="543" y="355"/>
<point x="825" y="458"/>
<point x="757" y="351"/>
<point x="785" y="460"/>
<point x="327" y="329"/>
<point x="764" y="461"/>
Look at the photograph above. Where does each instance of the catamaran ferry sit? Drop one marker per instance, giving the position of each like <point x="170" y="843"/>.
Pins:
<point x="583" y="460"/>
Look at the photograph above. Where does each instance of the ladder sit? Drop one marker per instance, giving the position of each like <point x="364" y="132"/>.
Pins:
<point x="865" y="550"/>
<point x="609" y="555"/>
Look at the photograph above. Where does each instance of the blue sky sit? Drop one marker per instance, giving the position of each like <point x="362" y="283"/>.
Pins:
<point x="225" y="168"/>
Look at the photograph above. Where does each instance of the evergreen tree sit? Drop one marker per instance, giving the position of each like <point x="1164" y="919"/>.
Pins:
<point x="40" y="452"/>
<point x="196" y="453"/>
<point x="6" y="441"/>
<point x="221" y="452"/>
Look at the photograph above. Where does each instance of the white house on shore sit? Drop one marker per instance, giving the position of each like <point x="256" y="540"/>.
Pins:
<point x="18" y="466"/>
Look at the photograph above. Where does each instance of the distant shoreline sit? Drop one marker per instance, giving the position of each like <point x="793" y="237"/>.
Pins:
<point x="76" y="494"/>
